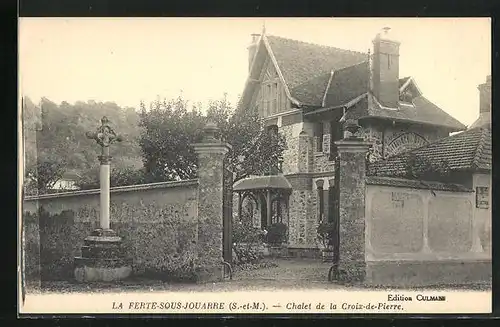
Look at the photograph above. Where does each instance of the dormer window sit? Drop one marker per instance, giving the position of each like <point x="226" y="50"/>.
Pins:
<point x="406" y="96"/>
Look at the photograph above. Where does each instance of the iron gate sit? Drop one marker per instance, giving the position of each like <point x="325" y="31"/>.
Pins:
<point x="227" y="215"/>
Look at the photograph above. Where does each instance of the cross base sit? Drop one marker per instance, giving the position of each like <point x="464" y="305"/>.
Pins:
<point x="103" y="258"/>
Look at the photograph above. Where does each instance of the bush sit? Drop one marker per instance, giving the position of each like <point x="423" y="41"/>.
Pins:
<point x="175" y="267"/>
<point x="246" y="233"/>
<point x="276" y="233"/>
<point x="246" y="241"/>
<point x="325" y="232"/>
<point x="246" y="254"/>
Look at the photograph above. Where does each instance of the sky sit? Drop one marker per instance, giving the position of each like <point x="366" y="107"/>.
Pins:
<point x="128" y="60"/>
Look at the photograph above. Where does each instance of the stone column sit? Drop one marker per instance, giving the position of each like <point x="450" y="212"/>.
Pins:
<point x="269" y="209"/>
<point x="103" y="258"/>
<point x="104" y="181"/>
<point x="303" y="155"/>
<point x="352" y="155"/>
<point x="211" y="153"/>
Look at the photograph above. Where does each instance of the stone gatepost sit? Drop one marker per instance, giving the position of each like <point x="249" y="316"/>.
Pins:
<point x="211" y="152"/>
<point x="352" y="183"/>
<point x="103" y="257"/>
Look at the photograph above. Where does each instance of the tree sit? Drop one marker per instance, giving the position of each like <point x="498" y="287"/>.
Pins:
<point x="47" y="171"/>
<point x="58" y="144"/>
<point x="169" y="129"/>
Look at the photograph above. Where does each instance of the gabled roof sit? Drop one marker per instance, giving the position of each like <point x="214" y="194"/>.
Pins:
<point x="262" y="183"/>
<point x="304" y="67"/>
<point x="346" y="84"/>
<point x="312" y="91"/>
<point x="317" y="76"/>
<point x="403" y="80"/>
<point x="300" y="61"/>
<point x="469" y="150"/>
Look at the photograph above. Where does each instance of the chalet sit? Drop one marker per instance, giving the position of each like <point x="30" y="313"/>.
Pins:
<point x="308" y="92"/>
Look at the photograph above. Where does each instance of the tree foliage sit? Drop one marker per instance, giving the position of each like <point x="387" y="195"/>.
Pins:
<point x="157" y="141"/>
<point x="170" y="127"/>
<point x="55" y="140"/>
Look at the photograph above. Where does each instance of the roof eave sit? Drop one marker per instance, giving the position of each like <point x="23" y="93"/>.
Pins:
<point x="327" y="88"/>
<point x="278" y="70"/>
<point x="402" y="120"/>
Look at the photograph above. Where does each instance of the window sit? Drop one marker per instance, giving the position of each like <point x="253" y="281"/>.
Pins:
<point x="406" y="96"/>
<point x="266" y="95"/>
<point x="389" y="61"/>
<point x="318" y="134"/>
<point x="274" y="98"/>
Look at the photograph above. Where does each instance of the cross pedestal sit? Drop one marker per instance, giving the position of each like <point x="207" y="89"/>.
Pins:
<point x="103" y="257"/>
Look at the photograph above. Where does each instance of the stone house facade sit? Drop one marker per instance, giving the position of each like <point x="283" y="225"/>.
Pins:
<point x="308" y="92"/>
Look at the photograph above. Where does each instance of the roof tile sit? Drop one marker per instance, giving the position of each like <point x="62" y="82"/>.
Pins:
<point x="300" y="61"/>
<point x="469" y="150"/>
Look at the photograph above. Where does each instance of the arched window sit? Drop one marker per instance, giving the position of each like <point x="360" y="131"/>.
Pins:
<point x="404" y="142"/>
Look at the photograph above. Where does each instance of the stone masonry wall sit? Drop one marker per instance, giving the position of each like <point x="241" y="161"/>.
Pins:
<point x="382" y="137"/>
<point x="157" y="223"/>
<point x="291" y="134"/>
<point x="211" y="153"/>
<point x="352" y="182"/>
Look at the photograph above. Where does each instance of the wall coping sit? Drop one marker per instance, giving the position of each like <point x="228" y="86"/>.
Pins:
<point x="416" y="184"/>
<point x="219" y="147"/>
<point x="118" y="189"/>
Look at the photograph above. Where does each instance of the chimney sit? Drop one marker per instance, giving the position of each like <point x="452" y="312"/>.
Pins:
<point x="485" y="97"/>
<point x="252" y="49"/>
<point x="385" y="69"/>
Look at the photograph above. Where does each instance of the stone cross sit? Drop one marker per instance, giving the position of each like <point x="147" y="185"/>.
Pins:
<point x="104" y="136"/>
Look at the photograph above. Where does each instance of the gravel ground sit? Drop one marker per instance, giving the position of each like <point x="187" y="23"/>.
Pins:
<point x="288" y="274"/>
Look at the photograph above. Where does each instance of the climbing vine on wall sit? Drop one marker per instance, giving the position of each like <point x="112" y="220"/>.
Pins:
<point x="422" y="168"/>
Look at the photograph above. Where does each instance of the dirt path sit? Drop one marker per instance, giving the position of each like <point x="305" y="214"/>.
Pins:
<point x="289" y="274"/>
<point x="288" y="270"/>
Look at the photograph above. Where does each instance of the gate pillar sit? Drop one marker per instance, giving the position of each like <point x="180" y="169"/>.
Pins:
<point x="211" y="152"/>
<point x="352" y="183"/>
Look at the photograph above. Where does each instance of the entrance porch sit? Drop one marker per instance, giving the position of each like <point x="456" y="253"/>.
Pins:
<point x="265" y="201"/>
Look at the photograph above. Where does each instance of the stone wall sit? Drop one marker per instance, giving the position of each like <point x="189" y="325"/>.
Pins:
<point x="428" y="230"/>
<point x="291" y="133"/>
<point x="303" y="219"/>
<point x="158" y="223"/>
<point x="389" y="140"/>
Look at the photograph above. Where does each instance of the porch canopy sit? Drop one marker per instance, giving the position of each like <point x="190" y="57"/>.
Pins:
<point x="262" y="189"/>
